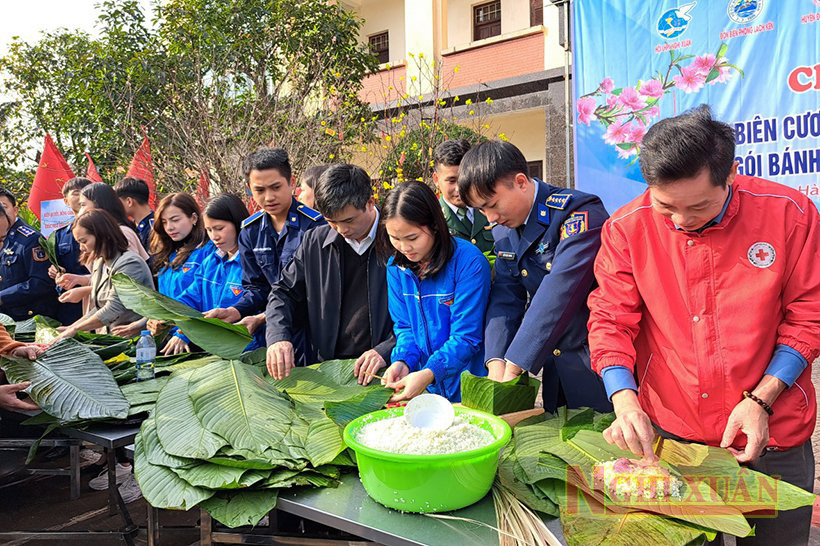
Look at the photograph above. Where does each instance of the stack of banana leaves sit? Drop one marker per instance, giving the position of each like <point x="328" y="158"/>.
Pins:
<point x="220" y="433"/>
<point x="561" y="465"/>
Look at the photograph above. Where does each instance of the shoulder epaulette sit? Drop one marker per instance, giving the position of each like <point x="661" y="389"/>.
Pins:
<point x="558" y="200"/>
<point x="25" y="231"/>
<point x="252" y="218"/>
<point x="309" y="212"/>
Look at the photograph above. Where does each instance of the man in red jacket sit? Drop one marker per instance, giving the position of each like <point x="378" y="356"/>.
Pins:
<point x="707" y="315"/>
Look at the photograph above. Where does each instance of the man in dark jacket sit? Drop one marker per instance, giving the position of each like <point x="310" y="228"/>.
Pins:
<point x="336" y="281"/>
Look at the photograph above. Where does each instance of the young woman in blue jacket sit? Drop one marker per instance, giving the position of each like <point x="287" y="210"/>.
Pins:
<point x="218" y="281"/>
<point x="179" y="246"/>
<point x="438" y="289"/>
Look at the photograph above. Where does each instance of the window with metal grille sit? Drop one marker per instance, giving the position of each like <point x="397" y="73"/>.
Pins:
<point x="380" y="46"/>
<point x="536" y="12"/>
<point x="487" y="20"/>
<point x="534" y="169"/>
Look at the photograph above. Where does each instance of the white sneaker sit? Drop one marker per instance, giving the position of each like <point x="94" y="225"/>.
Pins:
<point x="100" y="483"/>
<point x="129" y="489"/>
<point x="90" y="456"/>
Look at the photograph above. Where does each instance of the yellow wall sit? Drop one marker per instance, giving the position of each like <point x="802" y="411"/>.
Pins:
<point x="525" y="129"/>
<point x="381" y="15"/>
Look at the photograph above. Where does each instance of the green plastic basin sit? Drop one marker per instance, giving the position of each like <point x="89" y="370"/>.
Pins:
<point x="428" y="483"/>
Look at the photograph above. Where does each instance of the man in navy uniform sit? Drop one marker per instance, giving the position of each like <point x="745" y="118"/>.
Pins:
<point x="25" y="287"/>
<point x="68" y="252"/>
<point x="268" y="238"/>
<point x="135" y="196"/>
<point x="545" y="243"/>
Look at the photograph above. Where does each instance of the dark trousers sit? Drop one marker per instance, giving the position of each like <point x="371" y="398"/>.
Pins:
<point x="789" y="528"/>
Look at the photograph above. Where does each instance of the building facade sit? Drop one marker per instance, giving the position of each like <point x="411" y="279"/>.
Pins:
<point x="514" y="52"/>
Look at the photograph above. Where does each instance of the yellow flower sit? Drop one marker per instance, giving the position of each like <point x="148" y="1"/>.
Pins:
<point x="362" y="119"/>
<point x="456" y="99"/>
<point x="472" y="112"/>
<point x="412" y="78"/>
<point x="421" y="97"/>
<point x="410" y="53"/>
<point x="421" y="55"/>
<point x="502" y="136"/>
<point x="330" y="132"/>
<point x="331" y="156"/>
<point x="419" y="179"/>
<point x="401" y="134"/>
<point x="456" y="68"/>
<point x="323" y="124"/>
<point x="468" y="102"/>
<point x="442" y="102"/>
<point x="390" y="88"/>
<point x="485" y="126"/>
<point x="364" y="148"/>
<point x="386" y="185"/>
<point x="388" y="138"/>
<point x="387" y="66"/>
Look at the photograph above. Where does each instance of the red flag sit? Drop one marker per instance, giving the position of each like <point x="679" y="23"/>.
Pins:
<point x="252" y="206"/>
<point x="91" y="172"/>
<point x="203" y="191"/>
<point x="51" y="174"/>
<point x="142" y="167"/>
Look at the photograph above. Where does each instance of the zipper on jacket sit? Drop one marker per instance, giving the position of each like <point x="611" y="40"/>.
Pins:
<point x="423" y="317"/>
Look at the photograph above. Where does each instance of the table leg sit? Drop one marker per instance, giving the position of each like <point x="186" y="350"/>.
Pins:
<point x="153" y="526"/>
<point x="74" y="462"/>
<point x="205" y="528"/>
<point x="112" y="480"/>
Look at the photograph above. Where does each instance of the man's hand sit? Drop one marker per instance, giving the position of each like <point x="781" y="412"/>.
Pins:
<point x="75" y="295"/>
<point x="9" y="400"/>
<point x="175" y="346"/>
<point x="229" y="314"/>
<point x="632" y="429"/>
<point x="66" y="332"/>
<point x="129" y="330"/>
<point x="53" y="271"/>
<point x="156" y="326"/>
<point x="411" y="385"/>
<point x="252" y="322"/>
<point x="28" y="351"/>
<point x="511" y="371"/>
<point x="495" y="369"/>
<point x="280" y="359"/>
<point x="752" y="420"/>
<point x="69" y="280"/>
<point x="396" y="372"/>
<point x="367" y="365"/>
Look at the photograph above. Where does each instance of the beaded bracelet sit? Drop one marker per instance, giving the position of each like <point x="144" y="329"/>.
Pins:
<point x="761" y="403"/>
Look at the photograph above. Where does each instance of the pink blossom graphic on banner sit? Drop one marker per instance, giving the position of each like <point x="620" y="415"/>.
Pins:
<point x="625" y="113"/>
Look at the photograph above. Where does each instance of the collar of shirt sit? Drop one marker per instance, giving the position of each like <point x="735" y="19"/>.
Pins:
<point x="224" y="255"/>
<point x="470" y="211"/>
<point x="532" y="206"/>
<point x="360" y="247"/>
<point x="717" y="219"/>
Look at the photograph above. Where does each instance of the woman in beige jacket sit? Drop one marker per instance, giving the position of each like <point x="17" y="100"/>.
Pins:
<point x="102" y="241"/>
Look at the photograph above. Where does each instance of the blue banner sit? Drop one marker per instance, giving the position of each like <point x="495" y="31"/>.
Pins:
<point x="755" y="62"/>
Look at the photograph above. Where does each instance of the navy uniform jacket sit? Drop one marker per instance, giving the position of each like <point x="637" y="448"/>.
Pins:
<point x="551" y="266"/>
<point x="68" y="256"/>
<point x="144" y="229"/>
<point x="25" y="287"/>
<point x="264" y="254"/>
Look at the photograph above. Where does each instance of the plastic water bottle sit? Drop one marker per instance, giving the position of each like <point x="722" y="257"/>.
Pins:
<point x="146" y="354"/>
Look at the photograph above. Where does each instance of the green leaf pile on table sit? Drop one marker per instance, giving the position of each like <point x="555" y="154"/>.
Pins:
<point x="553" y="466"/>
<point x="225" y="438"/>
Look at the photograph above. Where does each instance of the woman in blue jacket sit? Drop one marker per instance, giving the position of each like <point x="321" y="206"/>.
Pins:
<point x="218" y="281"/>
<point x="438" y="289"/>
<point x="179" y="247"/>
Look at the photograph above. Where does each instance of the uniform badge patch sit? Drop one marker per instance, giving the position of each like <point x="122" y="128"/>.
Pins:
<point x="577" y="223"/>
<point x="504" y="255"/>
<point x="761" y="255"/>
<point x="236" y="290"/>
<point x="447" y="300"/>
<point x="542" y="247"/>
<point x="38" y="254"/>
<point x="558" y="200"/>
<point x="25" y="231"/>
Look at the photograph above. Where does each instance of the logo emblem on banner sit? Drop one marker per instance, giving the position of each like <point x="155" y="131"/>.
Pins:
<point x="675" y="21"/>
<point x="761" y="255"/>
<point x="744" y="11"/>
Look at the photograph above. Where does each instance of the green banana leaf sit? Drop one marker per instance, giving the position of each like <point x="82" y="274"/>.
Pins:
<point x="70" y="382"/>
<point x="241" y="508"/>
<point x="178" y="427"/>
<point x="6" y="320"/>
<point x="159" y="485"/>
<point x="26" y="330"/>
<point x="232" y="400"/>
<point x="144" y="392"/>
<point x="153" y="449"/>
<point x="50" y="248"/>
<point x="496" y="397"/>
<point x="215" y="476"/>
<point x="99" y="339"/>
<point x="44" y="333"/>
<point x="213" y="335"/>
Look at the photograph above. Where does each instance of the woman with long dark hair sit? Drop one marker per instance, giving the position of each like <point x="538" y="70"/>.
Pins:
<point x="179" y="247"/>
<point x="104" y="246"/>
<point x="438" y="289"/>
<point x="218" y="282"/>
<point x="102" y="196"/>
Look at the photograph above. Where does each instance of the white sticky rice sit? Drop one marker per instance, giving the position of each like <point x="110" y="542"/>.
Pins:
<point x="395" y="435"/>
